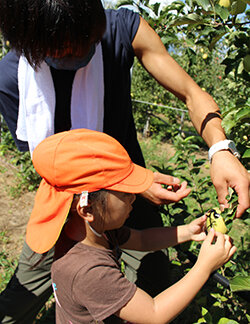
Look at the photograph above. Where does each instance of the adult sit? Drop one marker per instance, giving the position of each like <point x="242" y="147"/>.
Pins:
<point x="70" y="67"/>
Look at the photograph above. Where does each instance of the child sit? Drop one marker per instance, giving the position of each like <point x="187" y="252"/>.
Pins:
<point x="88" y="188"/>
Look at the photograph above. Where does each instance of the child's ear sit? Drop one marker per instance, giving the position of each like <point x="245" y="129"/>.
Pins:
<point x="85" y="212"/>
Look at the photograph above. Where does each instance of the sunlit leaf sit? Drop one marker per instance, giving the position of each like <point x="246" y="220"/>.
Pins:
<point x="205" y="4"/>
<point x="246" y="154"/>
<point x="240" y="283"/>
<point x="224" y="320"/>
<point x="243" y="114"/>
<point x="222" y="12"/>
<point x="187" y="20"/>
<point x="216" y="39"/>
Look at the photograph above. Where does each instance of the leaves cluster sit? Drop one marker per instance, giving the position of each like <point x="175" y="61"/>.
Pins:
<point x="217" y="304"/>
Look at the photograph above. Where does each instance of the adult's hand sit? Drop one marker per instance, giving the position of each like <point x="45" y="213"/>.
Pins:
<point x="227" y="171"/>
<point x="174" y="192"/>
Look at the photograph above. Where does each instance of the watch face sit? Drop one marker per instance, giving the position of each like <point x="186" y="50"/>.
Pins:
<point x="231" y="146"/>
<point x="233" y="149"/>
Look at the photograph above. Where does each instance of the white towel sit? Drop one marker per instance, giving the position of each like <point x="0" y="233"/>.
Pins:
<point x="37" y="100"/>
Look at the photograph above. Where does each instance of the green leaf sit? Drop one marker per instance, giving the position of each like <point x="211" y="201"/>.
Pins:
<point x="247" y="221"/>
<point x="246" y="154"/>
<point x="240" y="283"/>
<point x="195" y="170"/>
<point x="204" y="311"/>
<point x="156" y="7"/>
<point x="243" y="114"/>
<point x="215" y="40"/>
<point x="189" y="19"/>
<point x="222" y="12"/>
<point x="224" y="320"/>
<point x="168" y="39"/>
<point x="205" y="4"/>
<point x="228" y="125"/>
<point x="203" y="181"/>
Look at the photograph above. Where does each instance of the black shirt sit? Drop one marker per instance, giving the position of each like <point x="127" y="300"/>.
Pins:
<point x="63" y="80"/>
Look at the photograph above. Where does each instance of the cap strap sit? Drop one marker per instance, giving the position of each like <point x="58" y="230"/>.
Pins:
<point x="93" y="230"/>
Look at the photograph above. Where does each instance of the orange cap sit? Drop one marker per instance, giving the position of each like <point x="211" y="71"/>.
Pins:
<point x="69" y="163"/>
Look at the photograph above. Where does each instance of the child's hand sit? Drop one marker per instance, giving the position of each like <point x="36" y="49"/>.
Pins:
<point x="196" y="229"/>
<point x="213" y="255"/>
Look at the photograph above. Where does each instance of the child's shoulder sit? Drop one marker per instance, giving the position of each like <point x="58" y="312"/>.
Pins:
<point x="82" y="258"/>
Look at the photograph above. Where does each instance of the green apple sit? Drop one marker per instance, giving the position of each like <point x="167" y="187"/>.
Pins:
<point x="225" y="3"/>
<point x="216" y="221"/>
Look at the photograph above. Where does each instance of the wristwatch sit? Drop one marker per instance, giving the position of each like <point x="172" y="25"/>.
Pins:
<point x="223" y="145"/>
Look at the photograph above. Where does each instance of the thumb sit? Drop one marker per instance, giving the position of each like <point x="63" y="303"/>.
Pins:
<point x="165" y="179"/>
<point x="201" y="220"/>
<point x="222" y="192"/>
<point x="210" y="236"/>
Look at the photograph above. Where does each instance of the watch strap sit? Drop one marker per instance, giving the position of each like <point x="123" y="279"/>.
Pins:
<point x="223" y="145"/>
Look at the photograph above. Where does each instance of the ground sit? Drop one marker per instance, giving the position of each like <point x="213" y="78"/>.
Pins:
<point x="14" y="215"/>
<point x="14" y="211"/>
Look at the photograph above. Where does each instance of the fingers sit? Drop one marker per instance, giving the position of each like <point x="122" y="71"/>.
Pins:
<point x="229" y="247"/>
<point x="222" y="176"/>
<point x="232" y="250"/>
<point x="182" y="192"/>
<point x="243" y="198"/>
<point x="227" y="242"/>
<point x="174" y="192"/>
<point x="175" y="196"/>
<point x="200" y="222"/>
<point x="222" y="192"/>
<point x="216" y="250"/>
<point x="165" y="179"/>
<point x="210" y="237"/>
<point x="201" y="219"/>
<point x="217" y="237"/>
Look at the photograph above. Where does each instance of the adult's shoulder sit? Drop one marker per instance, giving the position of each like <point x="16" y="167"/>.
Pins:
<point x="123" y="19"/>
<point x="125" y="13"/>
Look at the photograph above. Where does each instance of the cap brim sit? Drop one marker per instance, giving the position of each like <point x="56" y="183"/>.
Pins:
<point x="48" y="217"/>
<point x="139" y="180"/>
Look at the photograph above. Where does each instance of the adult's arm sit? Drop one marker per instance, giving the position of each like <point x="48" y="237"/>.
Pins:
<point x="153" y="55"/>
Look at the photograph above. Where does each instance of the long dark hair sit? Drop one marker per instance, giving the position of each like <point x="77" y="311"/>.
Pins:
<point x="40" y="28"/>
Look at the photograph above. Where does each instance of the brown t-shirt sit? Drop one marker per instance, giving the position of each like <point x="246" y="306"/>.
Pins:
<point x="88" y="283"/>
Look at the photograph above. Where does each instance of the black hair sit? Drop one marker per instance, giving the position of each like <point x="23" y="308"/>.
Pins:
<point x="40" y="28"/>
<point x="97" y="200"/>
<point x="98" y="206"/>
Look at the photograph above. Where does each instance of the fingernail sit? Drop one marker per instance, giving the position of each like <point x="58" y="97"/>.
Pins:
<point x="222" y="207"/>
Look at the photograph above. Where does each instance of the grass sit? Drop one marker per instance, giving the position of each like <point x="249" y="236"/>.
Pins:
<point x="154" y="152"/>
<point x="7" y="267"/>
<point x="7" y="264"/>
